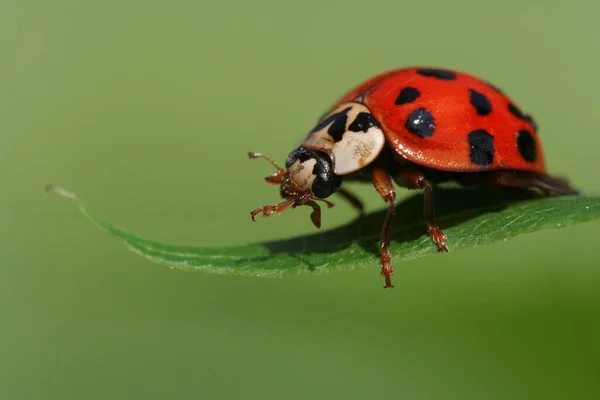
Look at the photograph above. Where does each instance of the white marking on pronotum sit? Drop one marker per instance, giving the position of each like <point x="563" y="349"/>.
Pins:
<point x="356" y="149"/>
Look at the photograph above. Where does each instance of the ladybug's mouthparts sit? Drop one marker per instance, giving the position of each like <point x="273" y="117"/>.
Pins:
<point x="293" y="197"/>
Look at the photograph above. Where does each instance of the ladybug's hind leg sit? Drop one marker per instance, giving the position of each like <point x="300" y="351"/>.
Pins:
<point x="414" y="179"/>
<point x="385" y="187"/>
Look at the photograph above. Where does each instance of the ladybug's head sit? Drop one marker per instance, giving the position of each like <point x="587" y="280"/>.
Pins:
<point x="308" y="177"/>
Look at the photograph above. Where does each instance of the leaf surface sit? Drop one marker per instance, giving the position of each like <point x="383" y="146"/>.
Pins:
<point x="470" y="217"/>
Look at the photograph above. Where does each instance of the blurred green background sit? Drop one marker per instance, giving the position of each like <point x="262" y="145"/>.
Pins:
<point x="147" y="109"/>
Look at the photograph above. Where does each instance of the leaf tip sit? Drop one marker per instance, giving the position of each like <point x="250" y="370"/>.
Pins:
<point x="60" y="191"/>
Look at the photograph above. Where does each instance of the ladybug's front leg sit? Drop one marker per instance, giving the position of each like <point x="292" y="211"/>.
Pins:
<point x="414" y="179"/>
<point x="385" y="187"/>
<point x="271" y="208"/>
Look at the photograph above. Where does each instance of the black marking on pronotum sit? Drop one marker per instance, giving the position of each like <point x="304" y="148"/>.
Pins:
<point x="323" y="115"/>
<point x="527" y="146"/>
<point x="363" y="122"/>
<point x="482" y="147"/>
<point x="330" y="119"/>
<point x="442" y="74"/>
<point x="407" y="95"/>
<point x="421" y="123"/>
<point x="480" y="102"/>
<point x="338" y="127"/>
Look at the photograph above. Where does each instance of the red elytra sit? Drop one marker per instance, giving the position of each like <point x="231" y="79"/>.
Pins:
<point x="416" y="127"/>
<point x="449" y="102"/>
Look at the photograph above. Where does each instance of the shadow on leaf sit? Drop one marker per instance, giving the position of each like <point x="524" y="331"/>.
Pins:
<point x="470" y="217"/>
<point x="453" y="207"/>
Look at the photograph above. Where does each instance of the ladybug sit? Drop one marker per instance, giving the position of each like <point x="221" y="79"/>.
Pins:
<point x="417" y="127"/>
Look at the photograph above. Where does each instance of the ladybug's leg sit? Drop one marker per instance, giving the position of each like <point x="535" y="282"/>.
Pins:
<point x="385" y="187"/>
<point x="414" y="179"/>
<point x="271" y="208"/>
<point x="352" y="199"/>
<point x="315" y="216"/>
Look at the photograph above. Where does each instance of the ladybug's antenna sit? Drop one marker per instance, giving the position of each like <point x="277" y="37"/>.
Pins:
<point x="259" y="155"/>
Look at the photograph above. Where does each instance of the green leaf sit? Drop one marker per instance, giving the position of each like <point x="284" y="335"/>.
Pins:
<point x="470" y="217"/>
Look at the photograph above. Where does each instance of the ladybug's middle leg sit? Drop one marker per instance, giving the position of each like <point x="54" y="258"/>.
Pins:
<point x="414" y="179"/>
<point x="352" y="199"/>
<point x="385" y="187"/>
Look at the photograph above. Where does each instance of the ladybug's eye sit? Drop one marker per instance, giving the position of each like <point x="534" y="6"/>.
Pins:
<point x="326" y="181"/>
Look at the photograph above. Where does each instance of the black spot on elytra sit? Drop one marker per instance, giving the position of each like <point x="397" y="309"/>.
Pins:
<point x="516" y="111"/>
<point x="496" y="88"/>
<point x="482" y="147"/>
<point x="407" y="95"/>
<point x="330" y="119"/>
<point x="480" y="102"/>
<point x="527" y="146"/>
<point x="532" y="122"/>
<point x="421" y="123"/>
<point x="442" y="74"/>
<point x="363" y="122"/>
